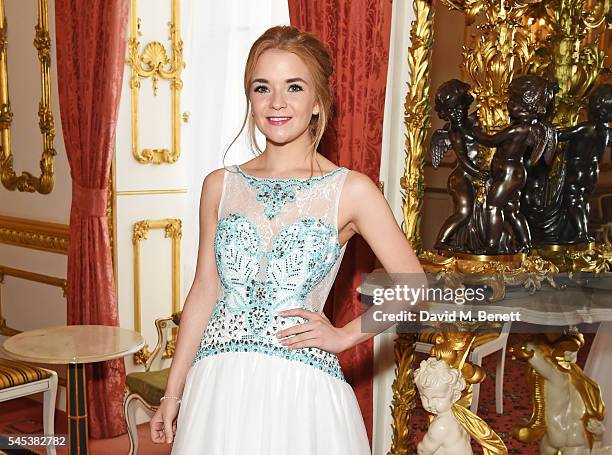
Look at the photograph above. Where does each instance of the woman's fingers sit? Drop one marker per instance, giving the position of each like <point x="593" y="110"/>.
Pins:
<point x="168" y="430"/>
<point x="157" y="429"/>
<point x="298" y="340"/>
<point x="296" y="329"/>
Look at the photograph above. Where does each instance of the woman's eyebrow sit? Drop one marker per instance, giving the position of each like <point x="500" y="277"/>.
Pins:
<point x="296" y="79"/>
<point x="288" y="81"/>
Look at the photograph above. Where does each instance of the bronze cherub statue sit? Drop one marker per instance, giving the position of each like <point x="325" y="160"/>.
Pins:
<point x="586" y="145"/>
<point x="524" y="141"/>
<point x="452" y="102"/>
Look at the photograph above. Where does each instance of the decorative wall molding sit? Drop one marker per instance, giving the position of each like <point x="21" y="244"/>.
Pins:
<point x="154" y="62"/>
<point x="5" y="330"/>
<point x="26" y="182"/>
<point x="140" y="231"/>
<point x="34" y="234"/>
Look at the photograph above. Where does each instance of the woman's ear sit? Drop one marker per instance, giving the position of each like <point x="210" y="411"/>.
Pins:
<point x="315" y="110"/>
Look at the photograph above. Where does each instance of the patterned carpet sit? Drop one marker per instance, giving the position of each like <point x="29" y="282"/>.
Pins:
<point x="517" y="404"/>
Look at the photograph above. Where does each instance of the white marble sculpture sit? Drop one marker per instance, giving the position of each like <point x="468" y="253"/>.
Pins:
<point x="440" y="387"/>
<point x="566" y="431"/>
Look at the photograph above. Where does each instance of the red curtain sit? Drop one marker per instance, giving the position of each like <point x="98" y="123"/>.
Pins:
<point x="357" y="34"/>
<point x="91" y="40"/>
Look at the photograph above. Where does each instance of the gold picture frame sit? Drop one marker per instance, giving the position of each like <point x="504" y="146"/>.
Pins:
<point x="154" y="62"/>
<point x="26" y="182"/>
<point x="140" y="231"/>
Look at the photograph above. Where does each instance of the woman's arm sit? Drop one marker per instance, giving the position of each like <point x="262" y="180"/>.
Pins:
<point x="203" y="293"/>
<point x="370" y="216"/>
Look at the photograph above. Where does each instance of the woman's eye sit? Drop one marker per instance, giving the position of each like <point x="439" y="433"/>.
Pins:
<point x="261" y="89"/>
<point x="295" y="88"/>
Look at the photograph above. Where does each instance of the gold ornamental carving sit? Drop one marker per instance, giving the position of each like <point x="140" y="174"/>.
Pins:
<point x="591" y="258"/>
<point x="27" y="182"/>
<point x="526" y="271"/>
<point x="404" y="394"/>
<point x="37" y="235"/>
<point x="140" y="231"/>
<point x="417" y="119"/>
<point x="155" y="63"/>
<point x="571" y="53"/>
<point x="500" y="45"/>
<point x="572" y="56"/>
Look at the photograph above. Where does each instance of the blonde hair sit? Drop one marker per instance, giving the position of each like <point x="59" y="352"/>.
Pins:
<point x="316" y="57"/>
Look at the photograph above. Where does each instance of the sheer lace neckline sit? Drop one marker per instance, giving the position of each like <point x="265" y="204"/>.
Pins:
<point x="287" y="179"/>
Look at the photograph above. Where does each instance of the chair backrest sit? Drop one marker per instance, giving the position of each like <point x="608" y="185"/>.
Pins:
<point x="166" y="336"/>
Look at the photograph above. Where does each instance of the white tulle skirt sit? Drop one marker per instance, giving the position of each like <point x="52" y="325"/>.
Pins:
<point x="239" y="403"/>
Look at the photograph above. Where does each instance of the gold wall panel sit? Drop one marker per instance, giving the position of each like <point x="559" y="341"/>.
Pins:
<point x="154" y="62"/>
<point x="27" y="182"/>
<point x="173" y="230"/>
<point x="37" y="235"/>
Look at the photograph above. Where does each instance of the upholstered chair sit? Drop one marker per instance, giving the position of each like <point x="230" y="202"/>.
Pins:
<point x="148" y="386"/>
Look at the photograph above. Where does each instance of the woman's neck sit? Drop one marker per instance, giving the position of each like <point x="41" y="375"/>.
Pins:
<point x="297" y="154"/>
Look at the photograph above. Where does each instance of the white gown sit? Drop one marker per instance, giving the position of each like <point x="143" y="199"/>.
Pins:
<point x="276" y="248"/>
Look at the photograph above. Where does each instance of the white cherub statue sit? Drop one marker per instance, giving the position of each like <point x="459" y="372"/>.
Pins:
<point x="572" y="408"/>
<point x="440" y="386"/>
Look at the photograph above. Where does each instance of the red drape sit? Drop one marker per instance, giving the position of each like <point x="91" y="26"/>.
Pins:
<point x="357" y="33"/>
<point x="91" y="40"/>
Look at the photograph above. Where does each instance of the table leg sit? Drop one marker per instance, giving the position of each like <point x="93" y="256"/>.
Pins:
<point x="77" y="409"/>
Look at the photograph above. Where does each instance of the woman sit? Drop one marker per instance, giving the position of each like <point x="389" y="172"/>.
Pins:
<point x="266" y="379"/>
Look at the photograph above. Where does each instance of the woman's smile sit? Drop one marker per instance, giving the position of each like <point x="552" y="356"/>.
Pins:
<point x="278" y="121"/>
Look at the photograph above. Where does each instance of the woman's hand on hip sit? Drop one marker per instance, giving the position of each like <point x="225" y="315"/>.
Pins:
<point x="318" y="332"/>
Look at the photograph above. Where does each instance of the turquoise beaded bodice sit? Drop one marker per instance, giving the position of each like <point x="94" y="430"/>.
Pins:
<point x="276" y="248"/>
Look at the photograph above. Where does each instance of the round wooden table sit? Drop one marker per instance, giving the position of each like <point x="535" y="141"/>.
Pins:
<point x="74" y="345"/>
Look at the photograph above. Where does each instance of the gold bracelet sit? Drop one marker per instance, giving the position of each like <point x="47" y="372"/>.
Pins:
<point x="178" y="400"/>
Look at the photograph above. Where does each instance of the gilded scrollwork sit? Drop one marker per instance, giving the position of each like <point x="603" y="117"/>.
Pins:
<point x="495" y="272"/>
<point x="404" y="395"/>
<point x="417" y="119"/>
<point x="38" y="235"/>
<point x="153" y="62"/>
<point x="27" y="182"/>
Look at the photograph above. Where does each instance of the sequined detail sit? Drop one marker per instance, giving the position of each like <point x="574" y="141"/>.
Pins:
<point x="275" y="193"/>
<point x="268" y="264"/>
<point x="231" y="332"/>
<point x="302" y="254"/>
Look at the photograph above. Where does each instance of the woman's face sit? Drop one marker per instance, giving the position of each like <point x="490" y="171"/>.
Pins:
<point x="282" y="97"/>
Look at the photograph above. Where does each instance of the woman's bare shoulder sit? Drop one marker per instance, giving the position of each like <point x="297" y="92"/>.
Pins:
<point x="357" y="183"/>
<point x="212" y="186"/>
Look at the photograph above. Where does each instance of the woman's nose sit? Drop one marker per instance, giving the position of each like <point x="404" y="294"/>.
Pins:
<point x="278" y="100"/>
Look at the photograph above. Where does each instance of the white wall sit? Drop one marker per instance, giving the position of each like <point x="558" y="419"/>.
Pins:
<point x="26" y="304"/>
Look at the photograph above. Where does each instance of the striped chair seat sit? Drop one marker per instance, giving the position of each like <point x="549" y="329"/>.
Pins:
<point x="15" y="373"/>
